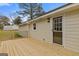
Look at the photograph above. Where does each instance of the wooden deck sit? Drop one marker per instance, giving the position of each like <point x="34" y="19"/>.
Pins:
<point x="31" y="47"/>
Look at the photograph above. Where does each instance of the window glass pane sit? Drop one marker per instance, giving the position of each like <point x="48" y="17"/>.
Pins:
<point x="57" y="29"/>
<point x="58" y="24"/>
<point x="55" y="20"/>
<point x="34" y="26"/>
<point x="48" y="19"/>
<point x="60" y="29"/>
<point x="54" y="28"/>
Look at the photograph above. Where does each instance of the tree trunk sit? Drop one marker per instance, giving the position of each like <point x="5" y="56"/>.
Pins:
<point x="31" y="11"/>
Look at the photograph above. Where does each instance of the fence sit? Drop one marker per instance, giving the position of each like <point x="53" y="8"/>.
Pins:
<point x="7" y="35"/>
<point x="11" y="35"/>
<point x="13" y="27"/>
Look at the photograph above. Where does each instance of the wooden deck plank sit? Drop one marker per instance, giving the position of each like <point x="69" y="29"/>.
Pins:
<point x="23" y="48"/>
<point x="13" y="49"/>
<point x="36" y="50"/>
<point x="10" y="49"/>
<point x="19" y="48"/>
<point x="31" y="47"/>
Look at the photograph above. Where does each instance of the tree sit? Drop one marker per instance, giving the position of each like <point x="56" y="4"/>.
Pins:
<point x="32" y="10"/>
<point x="4" y="20"/>
<point x="38" y="11"/>
<point x="17" y="20"/>
<point x="1" y="26"/>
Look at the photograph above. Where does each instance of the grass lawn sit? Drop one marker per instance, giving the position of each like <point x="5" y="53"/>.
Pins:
<point x="8" y="35"/>
<point x="5" y="35"/>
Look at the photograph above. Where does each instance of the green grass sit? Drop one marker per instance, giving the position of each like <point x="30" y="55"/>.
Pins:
<point x="5" y="35"/>
<point x="8" y="35"/>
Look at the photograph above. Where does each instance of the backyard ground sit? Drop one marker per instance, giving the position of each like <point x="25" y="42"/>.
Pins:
<point x="32" y="47"/>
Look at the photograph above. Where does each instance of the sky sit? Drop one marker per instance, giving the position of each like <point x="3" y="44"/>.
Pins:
<point x="10" y="8"/>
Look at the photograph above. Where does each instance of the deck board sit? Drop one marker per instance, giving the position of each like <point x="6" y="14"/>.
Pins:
<point x="32" y="47"/>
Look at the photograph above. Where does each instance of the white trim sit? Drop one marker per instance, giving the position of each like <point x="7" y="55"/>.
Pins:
<point x="63" y="18"/>
<point x="62" y="30"/>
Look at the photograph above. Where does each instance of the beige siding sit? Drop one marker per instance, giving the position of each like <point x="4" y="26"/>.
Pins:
<point x="24" y="30"/>
<point x="43" y="30"/>
<point x="71" y="30"/>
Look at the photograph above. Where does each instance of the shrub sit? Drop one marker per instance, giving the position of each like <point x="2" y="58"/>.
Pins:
<point x="1" y="26"/>
<point x="17" y="35"/>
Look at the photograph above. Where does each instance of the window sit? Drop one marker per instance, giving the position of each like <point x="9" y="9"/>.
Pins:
<point x="34" y="26"/>
<point x="48" y="20"/>
<point x="57" y="23"/>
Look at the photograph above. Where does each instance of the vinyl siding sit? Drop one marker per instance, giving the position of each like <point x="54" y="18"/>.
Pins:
<point x="71" y="30"/>
<point x="43" y="30"/>
<point x="24" y="30"/>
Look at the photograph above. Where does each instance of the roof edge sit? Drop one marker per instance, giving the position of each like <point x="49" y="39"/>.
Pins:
<point x="48" y="12"/>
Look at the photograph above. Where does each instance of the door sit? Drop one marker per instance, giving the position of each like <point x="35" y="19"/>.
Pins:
<point x="57" y="30"/>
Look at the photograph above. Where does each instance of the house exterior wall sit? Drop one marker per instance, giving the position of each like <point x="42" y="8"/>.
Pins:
<point x="71" y="30"/>
<point x="13" y="27"/>
<point x="43" y="30"/>
<point x="24" y="30"/>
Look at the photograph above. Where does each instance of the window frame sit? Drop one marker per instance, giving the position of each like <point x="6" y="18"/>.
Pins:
<point x="48" y="20"/>
<point x="57" y="24"/>
<point x="34" y="26"/>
